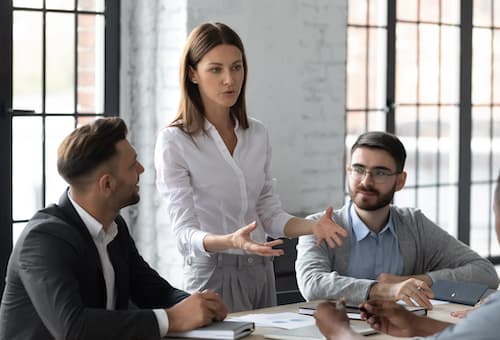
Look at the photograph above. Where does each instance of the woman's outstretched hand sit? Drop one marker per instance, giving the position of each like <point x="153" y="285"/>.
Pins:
<point x="241" y="239"/>
<point x="327" y="230"/>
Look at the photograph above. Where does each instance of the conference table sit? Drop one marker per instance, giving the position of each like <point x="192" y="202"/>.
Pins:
<point x="440" y="312"/>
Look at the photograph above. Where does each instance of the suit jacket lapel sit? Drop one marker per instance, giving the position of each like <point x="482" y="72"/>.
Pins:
<point x="75" y="221"/>
<point x="117" y="256"/>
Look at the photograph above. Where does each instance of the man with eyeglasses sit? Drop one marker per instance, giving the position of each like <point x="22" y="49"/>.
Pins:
<point x="393" y="253"/>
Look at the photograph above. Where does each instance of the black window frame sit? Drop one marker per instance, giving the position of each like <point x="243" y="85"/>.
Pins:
<point x="111" y="106"/>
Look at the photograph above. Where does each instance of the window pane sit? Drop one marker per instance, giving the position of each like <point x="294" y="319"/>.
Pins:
<point x="427" y="142"/>
<point x="496" y="65"/>
<point x="495" y="146"/>
<point x="450" y="12"/>
<point x="356" y="68"/>
<point x="56" y="129"/>
<point x="378" y="12"/>
<point x="405" y="197"/>
<point x="376" y="121"/>
<point x="480" y="211"/>
<point x="482" y="12"/>
<point x="90" y="64"/>
<point x="60" y="4"/>
<point x="429" y="63"/>
<point x="357" y="12"/>
<point x="448" y="144"/>
<point x="27" y="61"/>
<point x="448" y="209"/>
<point x="377" y="68"/>
<point x="28" y="3"/>
<point x="496" y="9"/>
<point x="481" y="143"/>
<point x="26" y="166"/>
<point x="406" y="63"/>
<point x="427" y="202"/>
<point x="481" y="66"/>
<point x="450" y="64"/>
<point x="17" y="229"/>
<point x="406" y="10"/>
<point x="91" y="5"/>
<point x="355" y="124"/>
<point x="405" y="119"/>
<point x="85" y="120"/>
<point x="60" y="63"/>
<point x="429" y="10"/>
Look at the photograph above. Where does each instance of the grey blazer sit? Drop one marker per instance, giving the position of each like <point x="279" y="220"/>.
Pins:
<point x="425" y="248"/>
<point x="55" y="286"/>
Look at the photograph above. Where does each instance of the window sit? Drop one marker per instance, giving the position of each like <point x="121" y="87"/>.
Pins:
<point x="409" y="68"/>
<point x="62" y="72"/>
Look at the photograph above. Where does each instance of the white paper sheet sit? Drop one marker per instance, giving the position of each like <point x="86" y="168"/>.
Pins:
<point x="280" y="320"/>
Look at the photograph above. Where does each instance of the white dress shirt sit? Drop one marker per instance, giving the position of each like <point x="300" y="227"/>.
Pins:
<point x="208" y="190"/>
<point x="101" y="240"/>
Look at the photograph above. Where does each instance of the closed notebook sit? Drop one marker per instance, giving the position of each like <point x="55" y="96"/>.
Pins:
<point x="218" y="330"/>
<point x="354" y="313"/>
<point x="310" y="332"/>
<point x="465" y="293"/>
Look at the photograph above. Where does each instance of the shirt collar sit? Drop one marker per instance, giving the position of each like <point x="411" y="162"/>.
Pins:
<point x="360" y="229"/>
<point x="207" y="125"/>
<point x="95" y="228"/>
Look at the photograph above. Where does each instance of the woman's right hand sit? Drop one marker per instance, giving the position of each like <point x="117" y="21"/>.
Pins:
<point x="241" y="239"/>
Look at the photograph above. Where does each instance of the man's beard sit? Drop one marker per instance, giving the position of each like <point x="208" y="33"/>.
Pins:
<point x="381" y="201"/>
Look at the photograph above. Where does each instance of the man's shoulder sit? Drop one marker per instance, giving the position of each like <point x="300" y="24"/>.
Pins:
<point x="406" y="213"/>
<point x="51" y="221"/>
<point x="338" y="214"/>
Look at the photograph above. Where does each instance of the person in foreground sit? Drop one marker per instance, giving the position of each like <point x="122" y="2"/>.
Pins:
<point x="394" y="253"/>
<point x="75" y="267"/>
<point x="391" y="318"/>
<point x="213" y="167"/>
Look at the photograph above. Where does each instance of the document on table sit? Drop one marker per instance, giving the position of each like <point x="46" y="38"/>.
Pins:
<point x="281" y="320"/>
<point x="432" y="301"/>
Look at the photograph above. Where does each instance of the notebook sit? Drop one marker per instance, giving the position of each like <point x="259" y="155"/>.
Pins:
<point x="354" y="313"/>
<point x="218" y="330"/>
<point x="310" y="332"/>
<point x="465" y="293"/>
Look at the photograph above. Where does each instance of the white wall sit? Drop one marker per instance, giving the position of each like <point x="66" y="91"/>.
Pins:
<point x="296" y="53"/>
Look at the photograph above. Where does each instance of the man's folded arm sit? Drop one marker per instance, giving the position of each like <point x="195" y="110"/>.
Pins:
<point x="455" y="260"/>
<point x="317" y="280"/>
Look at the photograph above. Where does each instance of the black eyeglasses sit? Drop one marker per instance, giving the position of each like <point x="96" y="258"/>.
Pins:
<point x="378" y="175"/>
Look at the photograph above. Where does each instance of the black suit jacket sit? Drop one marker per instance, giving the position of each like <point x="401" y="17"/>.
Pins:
<point x="55" y="286"/>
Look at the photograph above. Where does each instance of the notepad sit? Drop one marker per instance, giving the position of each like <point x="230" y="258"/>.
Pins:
<point x="310" y="332"/>
<point x="218" y="330"/>
<point x="465" y="293"/>
<point x="354" y="313"/>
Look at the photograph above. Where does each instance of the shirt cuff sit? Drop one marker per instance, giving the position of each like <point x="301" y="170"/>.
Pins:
<point x="162" y="318"/>
<point x="371" y="284"/>
<point x="433" y="277"/>
<point x="278" y="225"/>
<point x="197" y="248"/>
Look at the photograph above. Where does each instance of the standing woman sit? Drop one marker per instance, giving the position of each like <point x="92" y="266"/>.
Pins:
<point x="213" y="169"/>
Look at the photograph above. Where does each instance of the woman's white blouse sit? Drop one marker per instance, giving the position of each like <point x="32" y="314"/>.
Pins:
<point x="209" y="191"/>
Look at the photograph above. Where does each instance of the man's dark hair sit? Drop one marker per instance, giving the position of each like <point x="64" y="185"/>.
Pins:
<point x="383" y="141"/>
<point x="89" y="146"/>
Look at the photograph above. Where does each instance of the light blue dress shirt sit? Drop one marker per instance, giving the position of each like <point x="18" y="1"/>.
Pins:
<point x="372" y="253"/>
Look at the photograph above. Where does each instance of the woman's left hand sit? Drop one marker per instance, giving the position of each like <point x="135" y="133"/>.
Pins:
<point x="325" y="229"/>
